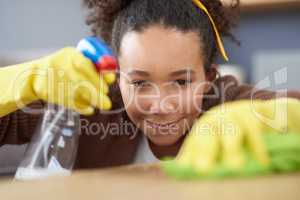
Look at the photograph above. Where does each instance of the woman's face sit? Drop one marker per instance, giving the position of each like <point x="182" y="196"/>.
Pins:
<point x="162" y="81"/>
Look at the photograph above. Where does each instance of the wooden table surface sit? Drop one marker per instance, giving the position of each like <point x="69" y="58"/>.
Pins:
<point x="148" y="182"/>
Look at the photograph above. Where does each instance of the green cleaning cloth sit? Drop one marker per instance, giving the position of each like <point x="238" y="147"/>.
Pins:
<point x="284" y="151"/>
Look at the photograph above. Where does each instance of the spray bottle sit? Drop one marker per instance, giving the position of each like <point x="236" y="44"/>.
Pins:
<point x="53" y="148"/>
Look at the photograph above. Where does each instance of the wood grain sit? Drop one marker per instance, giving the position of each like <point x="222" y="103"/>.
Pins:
<point x="148" y="182"/>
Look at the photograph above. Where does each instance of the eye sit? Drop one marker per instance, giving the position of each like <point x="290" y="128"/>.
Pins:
<point x="139" y="83"/>
<point x="183" y="82"/>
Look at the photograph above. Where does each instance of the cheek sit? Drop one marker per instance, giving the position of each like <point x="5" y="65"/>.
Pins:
<point x="129" y="100"/>
<point x="124" y="88"/>
<point x="192" y="99"/>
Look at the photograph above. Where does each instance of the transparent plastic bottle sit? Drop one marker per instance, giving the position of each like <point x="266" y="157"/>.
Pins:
<point x="53" y="148"/>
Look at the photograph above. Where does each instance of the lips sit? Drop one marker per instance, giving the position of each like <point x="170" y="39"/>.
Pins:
<point x="162" y="125"/>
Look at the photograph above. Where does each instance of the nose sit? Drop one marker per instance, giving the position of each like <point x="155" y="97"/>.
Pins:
<point x="162" y="104"/>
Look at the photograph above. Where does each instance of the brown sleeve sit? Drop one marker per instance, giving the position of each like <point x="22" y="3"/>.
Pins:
<point x="19" y="126"/>
<point x="250" y="92"/>
<point x="227" y="89"/>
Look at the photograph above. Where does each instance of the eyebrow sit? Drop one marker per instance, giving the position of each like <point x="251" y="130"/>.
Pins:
<point x="183" y="71"/>
<point x="138" y="72"/>
<point x="175" y="73"/>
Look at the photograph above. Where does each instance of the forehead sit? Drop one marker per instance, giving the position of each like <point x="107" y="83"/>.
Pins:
<point x="160" y="49"/>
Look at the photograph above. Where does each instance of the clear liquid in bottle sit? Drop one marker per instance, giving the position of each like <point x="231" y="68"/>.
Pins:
<point x="53" y="148"/>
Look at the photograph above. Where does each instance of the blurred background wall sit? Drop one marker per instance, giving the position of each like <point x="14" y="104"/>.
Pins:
<point x="39" y="24"/>
<point x="270" y="44"/>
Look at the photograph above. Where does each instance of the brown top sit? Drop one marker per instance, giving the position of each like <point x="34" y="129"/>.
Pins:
<point x="119" y="144"/>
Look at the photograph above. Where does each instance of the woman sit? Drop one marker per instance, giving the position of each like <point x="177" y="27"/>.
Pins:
<point x="168" y="78"/>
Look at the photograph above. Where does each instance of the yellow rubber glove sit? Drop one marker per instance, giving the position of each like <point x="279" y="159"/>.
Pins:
<point x="221" y="134"/>
<point x="65" y="78"/>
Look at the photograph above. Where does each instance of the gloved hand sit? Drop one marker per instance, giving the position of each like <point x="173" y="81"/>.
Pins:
<point x="221" y="136"/>
<point x="65" y="78"/>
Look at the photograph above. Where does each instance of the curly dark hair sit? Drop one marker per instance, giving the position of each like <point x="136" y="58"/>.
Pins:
<point x="111" y="19"/>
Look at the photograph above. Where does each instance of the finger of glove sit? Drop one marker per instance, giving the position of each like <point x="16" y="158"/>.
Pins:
<point x="76" y="86"/>
<point x="206" y="154"/>
<point x="203" y="145"/>
<point x="95" y="98"/>
<point x="253" y="131"/>
<point x="75" y="81"/>
<point x="81" y="107"/>
<point x="257" y="145"/>
<point x="87" y="68"/>
<point x="294" y="115"/>
<point x="232" y="143"/>
<point x="109" y="77"/>
<point x="285" y="114"/>
<point x="71" y="62"/>
<point x="186" y="155"/>
<point x="67" y="99"/>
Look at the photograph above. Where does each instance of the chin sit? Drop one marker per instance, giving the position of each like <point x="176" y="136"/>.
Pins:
<point x="164" y="140"/>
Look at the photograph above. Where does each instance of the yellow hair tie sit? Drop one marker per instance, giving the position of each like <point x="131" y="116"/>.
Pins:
<point x="218" y="37"/>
